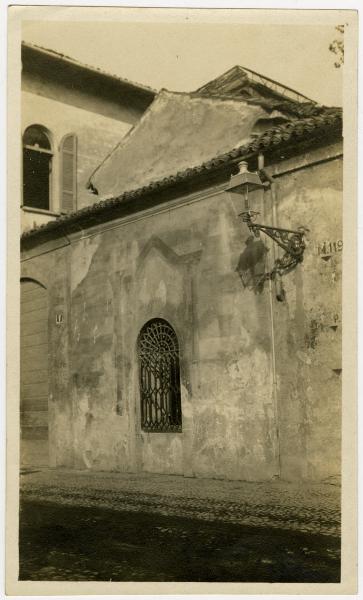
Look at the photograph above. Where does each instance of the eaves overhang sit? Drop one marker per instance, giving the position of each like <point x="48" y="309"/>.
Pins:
<point x="49" y="64"/>
<point x="276" y="144"/>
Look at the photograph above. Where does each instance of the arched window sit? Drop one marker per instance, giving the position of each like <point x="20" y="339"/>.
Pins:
<point x="158" y="351"/>
<point x="68" y="153"/>
<point x="37" y="167"/>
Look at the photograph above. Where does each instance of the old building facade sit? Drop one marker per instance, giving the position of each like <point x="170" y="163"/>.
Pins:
<point x="72" y="116"/>
<point x="166" y="345"/>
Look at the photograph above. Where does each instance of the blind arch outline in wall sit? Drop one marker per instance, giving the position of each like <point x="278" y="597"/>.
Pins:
<point x="32" y="280"/>
<point x="159" y="377"/>
<point x="34" y="372"/>
<point x="68" y="173"/>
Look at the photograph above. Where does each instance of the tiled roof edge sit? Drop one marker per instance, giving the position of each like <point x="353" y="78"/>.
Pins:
<point x="96" y="70"/>
<point x="299" y="130"/>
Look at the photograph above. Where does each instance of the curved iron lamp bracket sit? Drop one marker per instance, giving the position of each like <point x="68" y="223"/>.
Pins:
<point x="290" y="240"/>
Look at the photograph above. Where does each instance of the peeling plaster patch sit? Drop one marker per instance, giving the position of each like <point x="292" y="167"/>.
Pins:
<point x="245" y="338"/>
<point x="87" y="458"/>
<point x="176" y="449"/>
<point x="224" y="255"/>
<point x="303" y="357"/>
<point x="144" y="291"/>
<point x="249" y="370"/>
<point x="258" y="450"/>
<point x="83" y="404"/>
<point x="233" y="370"/>
<point x="311" y="338"/>
<point x="163" y="454"/>
<point x="290" y="297"/>
<point x="76" y="331"/>
<point x="187" y="407"/>
<point x="82" y="255"/>
<point x="160" y="292"/>
<point x="210" y="347"/>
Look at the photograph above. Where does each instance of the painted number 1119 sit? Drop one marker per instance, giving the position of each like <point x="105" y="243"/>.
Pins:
<point x="330" y="247"/>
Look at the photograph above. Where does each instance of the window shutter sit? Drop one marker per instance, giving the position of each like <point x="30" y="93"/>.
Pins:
<point x="69" y="174"/>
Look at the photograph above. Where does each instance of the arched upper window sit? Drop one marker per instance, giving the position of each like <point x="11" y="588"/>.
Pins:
<point x="37" y="167"/>
<point x="68" y="152"/>
<point x="158" y="351"/>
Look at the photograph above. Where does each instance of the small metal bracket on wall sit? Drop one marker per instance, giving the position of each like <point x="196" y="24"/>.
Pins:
<point x="290" y="240"/>
<point x="59" y="318"/>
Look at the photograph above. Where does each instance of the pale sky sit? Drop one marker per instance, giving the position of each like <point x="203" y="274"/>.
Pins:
<point x="183" y="56"/>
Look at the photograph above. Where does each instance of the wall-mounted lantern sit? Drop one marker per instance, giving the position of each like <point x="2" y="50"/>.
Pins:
<point x="290" y="240"/>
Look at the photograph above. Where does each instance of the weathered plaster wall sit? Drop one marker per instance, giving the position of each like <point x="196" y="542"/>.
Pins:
<point x="308" y="325"/>
<point x="177" y="132"/>
<point x="180" y="264"/>
<point x="167" y="267"/>
<point x="52" y="271"/>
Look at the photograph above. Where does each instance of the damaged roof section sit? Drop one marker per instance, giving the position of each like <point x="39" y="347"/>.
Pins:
<point x="179" y="131"/>
<point x="244" y="83"/>
<point x="254" y="88"/>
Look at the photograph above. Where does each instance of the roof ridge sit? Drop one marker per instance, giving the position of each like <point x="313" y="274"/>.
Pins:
<point x="225" y="74"/>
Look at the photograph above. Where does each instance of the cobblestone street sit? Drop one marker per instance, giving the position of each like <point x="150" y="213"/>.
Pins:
<point x="102" y="526"/>
<point x="311" y="508"/>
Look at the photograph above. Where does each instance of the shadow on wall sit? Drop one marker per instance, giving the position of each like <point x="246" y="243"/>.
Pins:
<point x="251" y="264"/>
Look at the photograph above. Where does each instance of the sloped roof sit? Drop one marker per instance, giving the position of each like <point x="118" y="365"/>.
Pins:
<point x="183" y="130"/>
<point x="254" y="88"/>
<point x="244" y="83"/>
<point x="318" y="130"/>
<point x="39" y="59"/>
<point x="178" y="131"/>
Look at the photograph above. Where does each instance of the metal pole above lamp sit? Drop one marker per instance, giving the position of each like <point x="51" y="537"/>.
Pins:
<point x="290" y="240"/>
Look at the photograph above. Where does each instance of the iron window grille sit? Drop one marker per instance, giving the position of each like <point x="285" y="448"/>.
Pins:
<point x="158" y="351"/>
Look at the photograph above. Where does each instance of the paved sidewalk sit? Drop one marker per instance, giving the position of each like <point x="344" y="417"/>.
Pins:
<point x="311" y="508"/>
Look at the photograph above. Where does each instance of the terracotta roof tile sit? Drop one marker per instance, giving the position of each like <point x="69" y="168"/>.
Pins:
<point x="303" y="129"/>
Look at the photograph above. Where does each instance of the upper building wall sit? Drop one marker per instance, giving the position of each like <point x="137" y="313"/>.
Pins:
<point x="56" y="76"/>
<point x="82" y="97"/>
<point x="64" y="97"/>
<point x="96" y="136"/>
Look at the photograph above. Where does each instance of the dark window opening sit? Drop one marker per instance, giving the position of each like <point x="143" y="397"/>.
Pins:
<point x="35" y="136"/>
<point x="36" y="174"/>
<point x="158" y="351"/>
<point x="37" y="166"/>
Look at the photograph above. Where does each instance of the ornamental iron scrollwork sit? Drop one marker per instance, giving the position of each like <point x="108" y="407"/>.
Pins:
<point x="158" y="352"/>
<point x="290" y="240"/>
